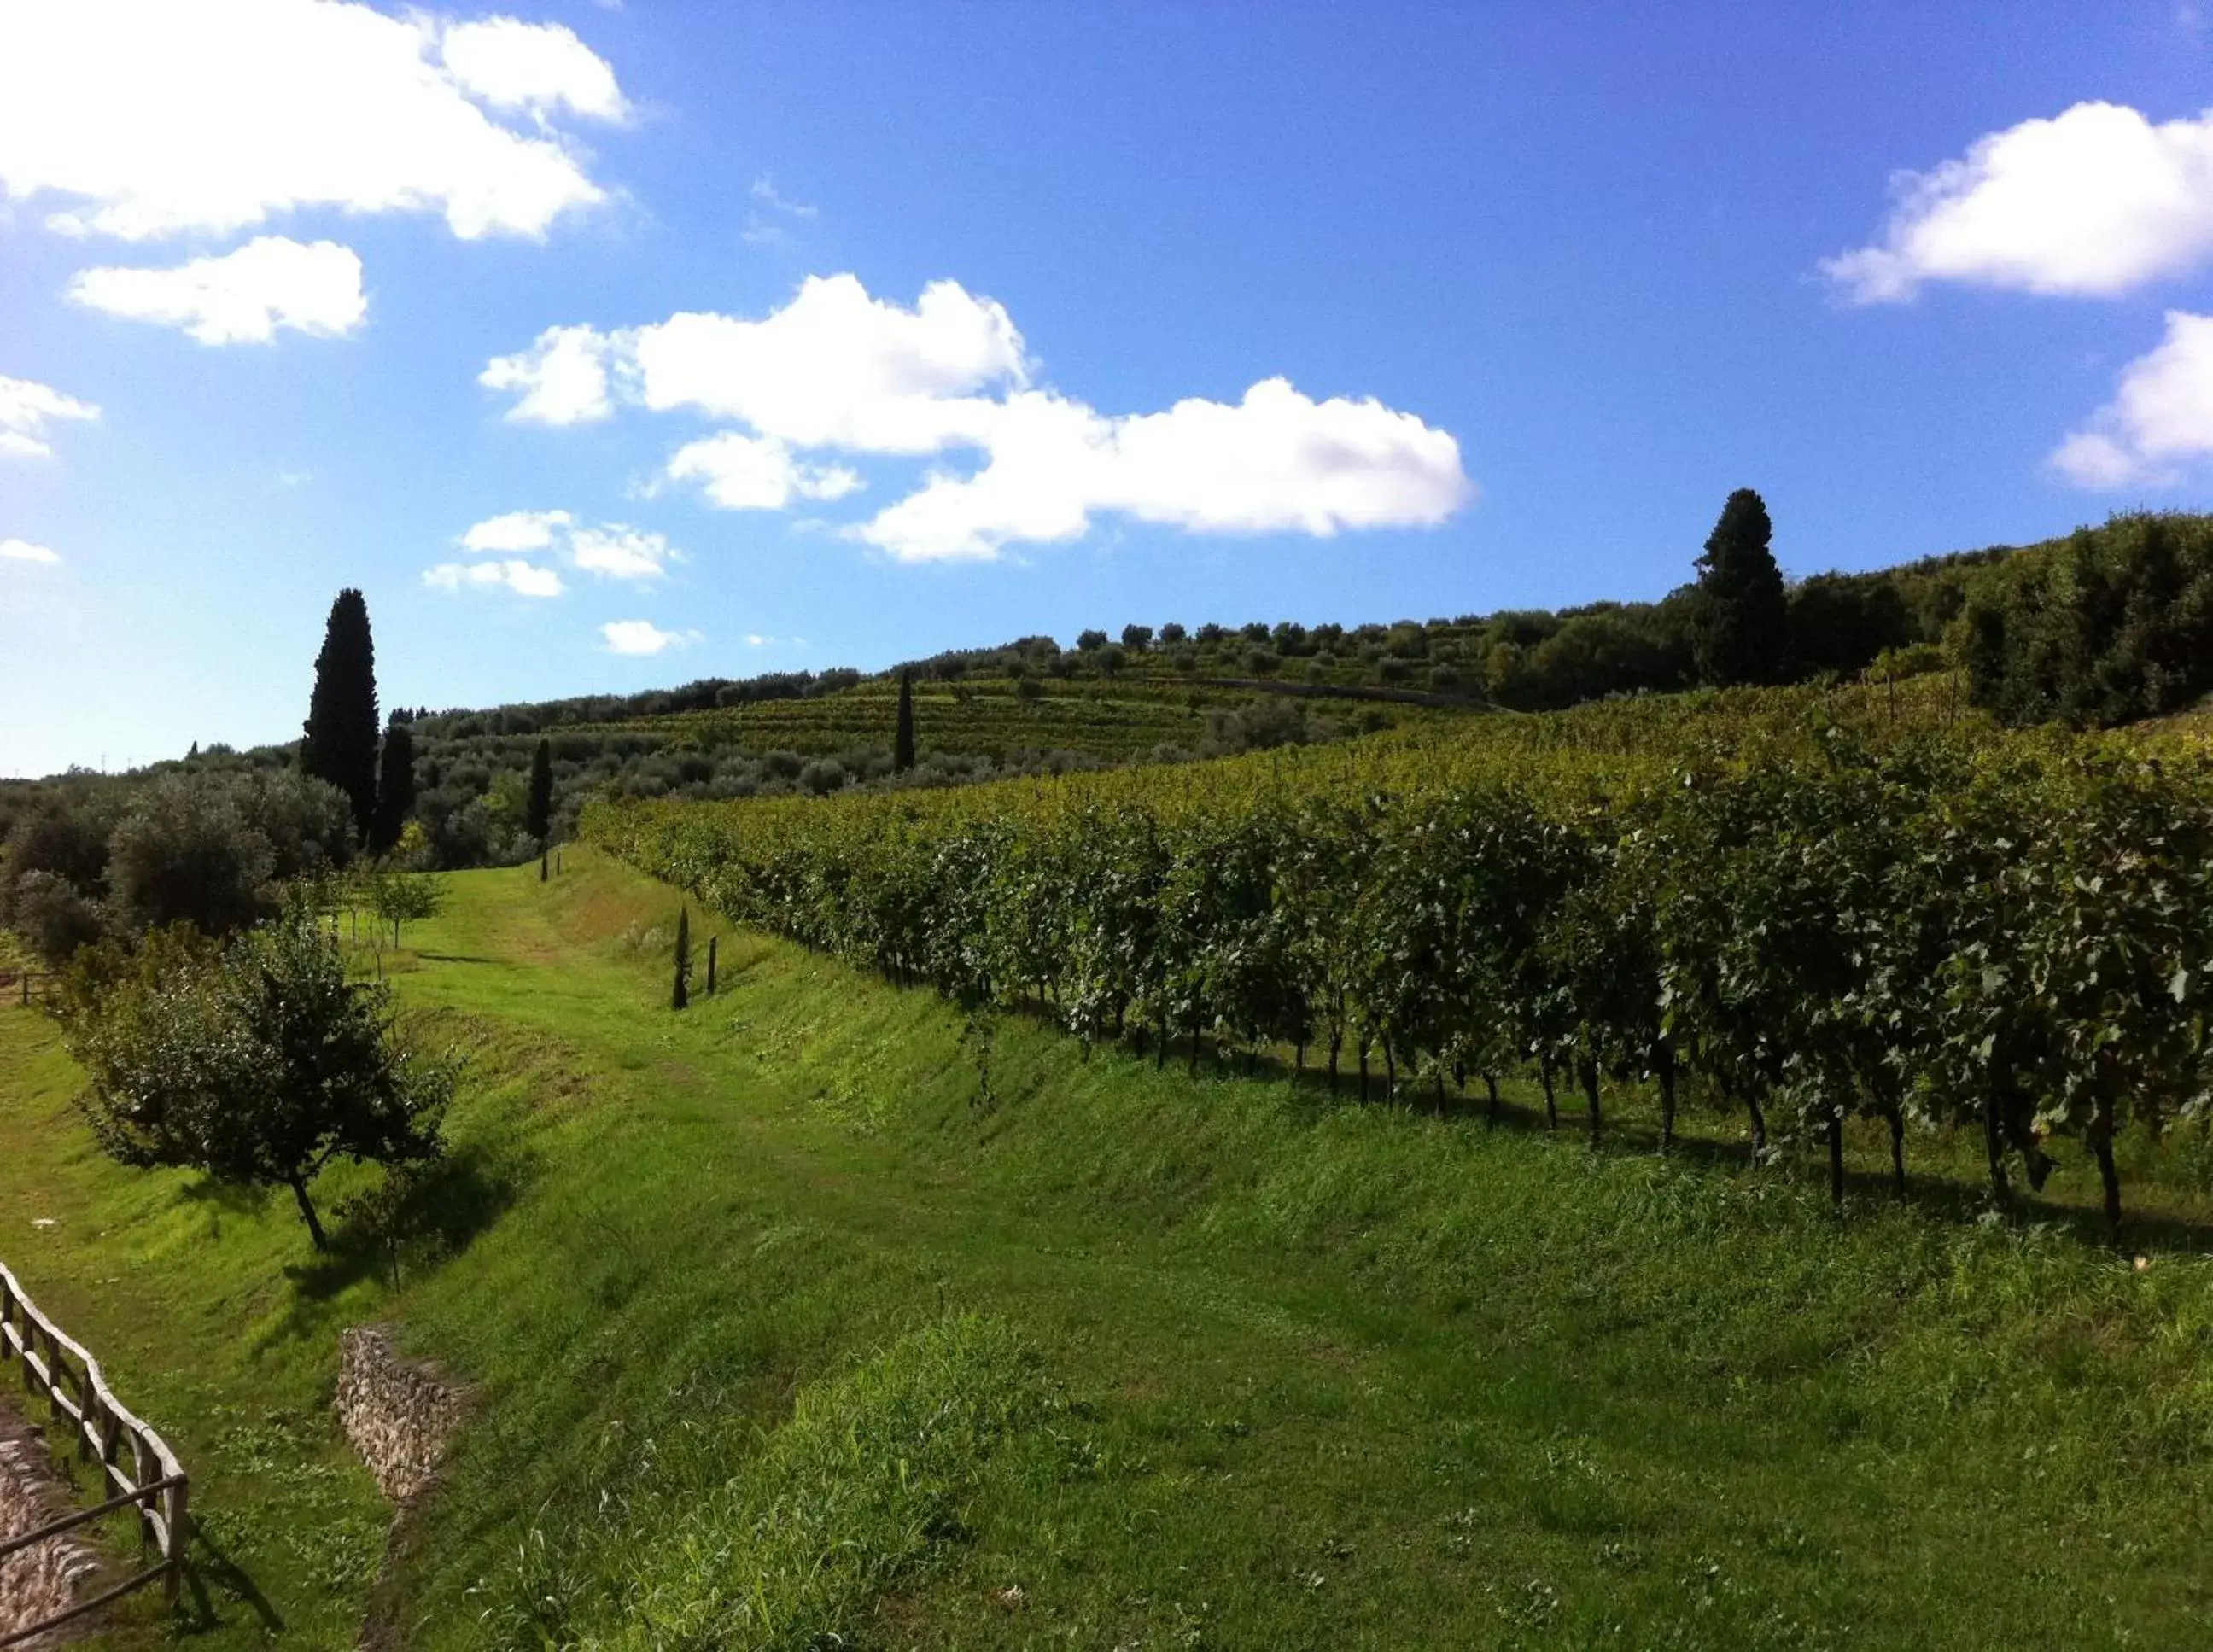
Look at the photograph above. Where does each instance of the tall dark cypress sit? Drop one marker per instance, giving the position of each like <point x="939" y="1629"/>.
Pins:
<point x="538" y="820"/>
<point x="340" y="743"/>
<point x="903" y="735"/>
<point x="1741" y="613"/>
<point x="395" y="787"/>
<point x="679" y="995"/>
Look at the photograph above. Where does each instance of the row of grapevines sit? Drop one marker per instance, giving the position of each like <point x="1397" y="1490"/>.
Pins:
<point x="1821" y="911"/>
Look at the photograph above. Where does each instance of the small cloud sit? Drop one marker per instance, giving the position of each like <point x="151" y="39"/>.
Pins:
<point x="26" y="407"/>
<point x="765" y="193"/>
<point x="643" y="637"/>
<point x="294" y="479"/>
<point x="563" y="377"/>
<point x="611" y="549"/>
<point x="762" y="228"/>
<point x="742" y="472"/>
<point x="2159" y="423"/>
<point x="243" y="297"/>
<point x="518" y="530"/>
<point x="24" y="551"/>
<point x="523" y="578"/>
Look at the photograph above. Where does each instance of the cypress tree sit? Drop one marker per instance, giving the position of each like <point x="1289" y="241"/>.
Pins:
<point x="1739" y="615"/>
<point x="537" y="820"/>
<point x="681" y="995"/>
<point x="395" y="788"/>
<point x="903" y="735"/>
<point x="339" y="743"/>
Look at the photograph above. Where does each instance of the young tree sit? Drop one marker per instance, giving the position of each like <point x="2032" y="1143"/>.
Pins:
<point x="537" y="817"/>
<point x="1740" y="612"/>
<point x="400" y="897"/>
<point x="903" y="732"/>
<point x="395" y="788"/>
<point x="340" y="732"/>
<point x="258" y="1064"/>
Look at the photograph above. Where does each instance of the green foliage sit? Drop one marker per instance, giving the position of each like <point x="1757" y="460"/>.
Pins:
<point x="902" y="727"/>
<point x="338" y="743"/>
<point x="537" y="817"/>
<point x="395" y="788"/>
<point x="258" y="1063"/>
<point x="211" y="849"/>
<point x="1739" y="612"/>
<point x="400" y="897"/>
<point x="1825" y="914"/>
<point x="2111" y="626"/>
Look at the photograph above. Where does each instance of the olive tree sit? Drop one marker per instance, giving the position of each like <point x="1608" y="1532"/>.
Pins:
<point x="259" y="1063"/>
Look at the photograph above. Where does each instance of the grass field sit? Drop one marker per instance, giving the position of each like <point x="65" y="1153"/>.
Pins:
<point x="817" y="1309"/>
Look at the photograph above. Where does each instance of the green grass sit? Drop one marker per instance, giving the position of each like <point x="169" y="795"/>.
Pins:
<point x="782" y="1327"/>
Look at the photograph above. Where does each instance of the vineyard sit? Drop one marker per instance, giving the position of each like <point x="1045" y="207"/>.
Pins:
<point x="994" y="718"/>
<point x="1813" y="906"/>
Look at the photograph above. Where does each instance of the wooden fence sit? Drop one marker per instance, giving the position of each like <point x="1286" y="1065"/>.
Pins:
<point x="137" y="1469"/>
<point x="28" y="986"/>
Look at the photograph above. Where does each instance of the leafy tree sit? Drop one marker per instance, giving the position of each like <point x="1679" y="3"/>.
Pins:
<point x="340" y="732"/>
<point x="903" y="730"/>
<point x="1088" y="640"/>
<point x="395" y="788"/>
<point x="537" y="818"/>
<point x="46" y="909"/>
<point x="257" y="1065"/>
<point x="399" y="898"/>
<point x="1740" y="612"/>
<point x="210" y="848"/>
<point x="1136" y="638"/>
<point x="2113" y="625"/>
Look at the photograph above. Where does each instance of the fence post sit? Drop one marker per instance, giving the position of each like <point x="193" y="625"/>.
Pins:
<point x="175" y="1517"/>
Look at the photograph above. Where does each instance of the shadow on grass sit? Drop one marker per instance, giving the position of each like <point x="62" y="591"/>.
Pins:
<point x="1936" y="1193"/>
<point x="456" y="958"/>
<point x="416" y="1218"/>
<point x="206" y="1563"/>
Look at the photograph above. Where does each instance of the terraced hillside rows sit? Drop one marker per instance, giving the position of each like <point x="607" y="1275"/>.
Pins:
<point x="999" y="718"/>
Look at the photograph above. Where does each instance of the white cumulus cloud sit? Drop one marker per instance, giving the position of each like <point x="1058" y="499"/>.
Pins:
<point x="537" y="67"/>
<point x="518" y="530"/>
<point x="747" y="473"/>
<point x="1277" y="462"/>
<point x="618" y="552"/>
<point x="152" y="117"/>
<point x="523" y="578"/>
<point x="643" y="637"/>
<point x="24" y="551"/>
<point x="2093" y="202"/>
<point x="833" y="368"/>
<point x="2160" y="417"/>
<point x="838" y="370"/>
<point x="610" y="550"/>
<point x="26" y="407"/>
<point x="240" y="298"/>
<point x="563" y="378"/>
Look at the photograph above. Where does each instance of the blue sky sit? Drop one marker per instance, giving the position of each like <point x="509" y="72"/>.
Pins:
<point x="1526" y="290"/>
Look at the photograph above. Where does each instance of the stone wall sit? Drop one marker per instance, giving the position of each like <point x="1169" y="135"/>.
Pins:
<point x="400" y="1414"/>
<point x="47" y="1577"/>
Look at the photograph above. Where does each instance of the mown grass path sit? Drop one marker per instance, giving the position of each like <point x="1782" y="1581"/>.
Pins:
<point x="1109" y="1357"/>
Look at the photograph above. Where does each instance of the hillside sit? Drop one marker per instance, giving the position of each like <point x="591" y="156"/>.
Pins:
<point x="1164" y="1360"/>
